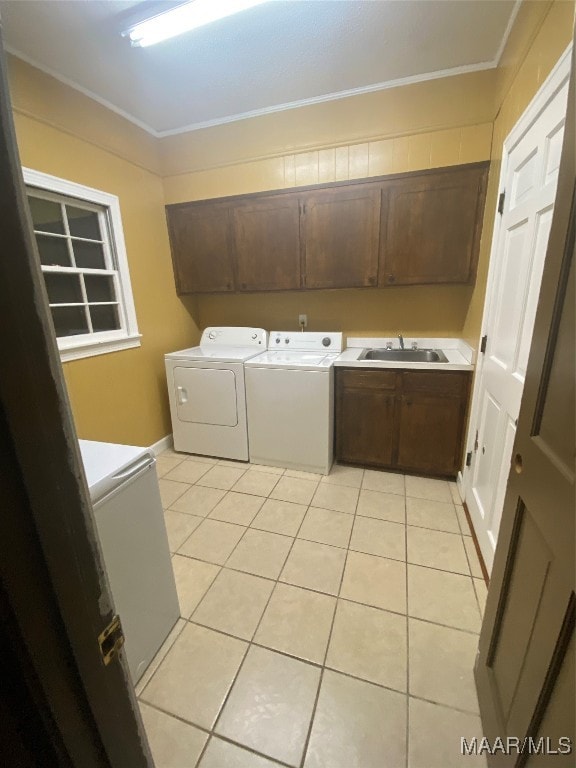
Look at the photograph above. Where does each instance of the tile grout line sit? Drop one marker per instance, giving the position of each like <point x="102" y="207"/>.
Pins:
<point x="338" y="597"/>
<point x="247" y="527"/>
<point x="359" y="551"/>
<point x="325" y="658"/>
<point x="462" y="710"/>
<point x="250" y="642"/>
<point x="316" y="664"/>
<point x="407" y="738"/>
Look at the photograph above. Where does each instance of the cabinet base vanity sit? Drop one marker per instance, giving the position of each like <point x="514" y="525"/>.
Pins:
<point x="408" y="419"/>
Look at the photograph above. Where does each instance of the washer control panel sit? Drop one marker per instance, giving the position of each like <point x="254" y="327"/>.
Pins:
<point x="232" y="336"/>
<point x="306" y="340"/>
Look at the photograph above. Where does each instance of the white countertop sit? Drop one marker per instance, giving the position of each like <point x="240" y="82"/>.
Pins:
<point x="461" y="357"/>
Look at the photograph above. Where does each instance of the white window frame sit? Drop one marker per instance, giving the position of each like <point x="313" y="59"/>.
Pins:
<point x="100" y="342"/>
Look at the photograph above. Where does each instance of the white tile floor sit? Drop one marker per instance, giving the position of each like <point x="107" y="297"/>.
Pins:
<point x="327" y="622"/>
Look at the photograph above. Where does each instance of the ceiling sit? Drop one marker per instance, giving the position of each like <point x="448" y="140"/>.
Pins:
<point x="279" y="55"/>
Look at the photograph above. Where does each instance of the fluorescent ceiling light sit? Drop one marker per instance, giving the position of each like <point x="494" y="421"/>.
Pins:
<point x="183" y="18"/>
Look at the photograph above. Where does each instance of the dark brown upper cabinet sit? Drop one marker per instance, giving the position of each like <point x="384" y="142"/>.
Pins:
<point x="267" y="243"/>
<point x="201" y="244"/>
<point x="431" y="233"/>
<point x="341" y="231"/>
<point x="407" y="229"/>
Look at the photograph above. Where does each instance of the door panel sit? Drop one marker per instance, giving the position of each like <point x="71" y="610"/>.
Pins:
<point x="486" y="466"/>
<point x="365" y="426"/>
<point x="200" y="237"/>
<point x="526" y="583"/>
<point x="267" y="238"/>
<point x="531" y="175"/>
<point x="429" y="433"/>
<point x="341" y="230"/>
<point x="433" y="227"/>
<point x="560" y="714"/>
<point x="206" y="396"/>
<point x="525" y="667"/>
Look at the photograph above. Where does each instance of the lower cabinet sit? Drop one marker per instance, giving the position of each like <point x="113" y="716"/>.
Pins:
<point x="413" y="421"/>
<point x="365" y="405"/>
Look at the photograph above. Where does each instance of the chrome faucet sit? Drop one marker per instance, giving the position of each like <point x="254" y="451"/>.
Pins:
<point x="401" y="340"/>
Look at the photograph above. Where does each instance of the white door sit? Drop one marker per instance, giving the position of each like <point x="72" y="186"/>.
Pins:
<point x="528" y="181"/>
<point x="206" y="396"/>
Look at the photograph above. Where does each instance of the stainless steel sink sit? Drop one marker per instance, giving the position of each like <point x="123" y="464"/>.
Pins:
<point x="405" y="355"/>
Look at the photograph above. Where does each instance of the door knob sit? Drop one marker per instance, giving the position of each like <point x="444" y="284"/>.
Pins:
<point x="518" y="466"/>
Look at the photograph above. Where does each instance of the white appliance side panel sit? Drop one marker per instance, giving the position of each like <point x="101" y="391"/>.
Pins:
<point x="134" y="543"/>
<point x="290" y="418"/>
<point x="206" y="395"/>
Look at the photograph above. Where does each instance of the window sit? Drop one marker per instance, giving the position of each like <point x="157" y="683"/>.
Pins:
<point x="80" y="241"/>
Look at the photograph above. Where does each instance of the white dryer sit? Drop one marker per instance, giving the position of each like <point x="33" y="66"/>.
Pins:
<point x="207" y="393"/>
<point x="290" y="398"/>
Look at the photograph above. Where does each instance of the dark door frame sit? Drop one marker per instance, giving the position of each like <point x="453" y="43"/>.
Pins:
<point x="53" y="583"/>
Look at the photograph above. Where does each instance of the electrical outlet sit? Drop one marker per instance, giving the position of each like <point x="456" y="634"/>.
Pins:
<point x="303" y="320"/>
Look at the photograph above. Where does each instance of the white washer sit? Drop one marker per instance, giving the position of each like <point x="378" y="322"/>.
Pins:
<point x="290" y="400"/>
<point x="207" y="394"/>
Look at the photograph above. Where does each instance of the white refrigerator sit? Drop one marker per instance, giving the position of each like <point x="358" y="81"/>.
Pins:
<point x="130" y="524"/>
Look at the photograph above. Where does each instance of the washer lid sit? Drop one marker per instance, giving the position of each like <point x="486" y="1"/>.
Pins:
<point x="293" y="359"/>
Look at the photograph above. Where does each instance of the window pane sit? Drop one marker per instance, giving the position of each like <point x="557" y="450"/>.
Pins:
<point x="88" y="255"/>
<point x="99" y="288"/>
<point x="69" y="321"/>
<point x="83" y="223"/>
<point x="46" y="215"/>
<point x="105" y="318"/>
<point x="53" y="251"/>
<point x="63" y="289"/>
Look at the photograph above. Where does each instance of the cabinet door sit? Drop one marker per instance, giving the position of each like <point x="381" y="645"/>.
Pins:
<point x="433" y="227"/>
<point x="341" y="230"/>
<point x="201" y="242"/>
<point x="267" y="238"/>
<point x="365" y="416"/>
<point x="432" y="414"/>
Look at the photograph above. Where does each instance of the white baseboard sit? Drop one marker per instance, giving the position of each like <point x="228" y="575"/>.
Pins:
<point x="460" y="486"/>
<point x="162" y="445"/>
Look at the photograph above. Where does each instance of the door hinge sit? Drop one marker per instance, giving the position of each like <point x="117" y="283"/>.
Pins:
<point x="469" y="458"/>
<point x="476" y="442"/>
<point x="501" y="199"/>
<point x="483" y="344"/>
<point x="111" y="640"/>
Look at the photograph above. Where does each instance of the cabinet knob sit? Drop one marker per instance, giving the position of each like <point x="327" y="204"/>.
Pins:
<point x="372" y="280"/>
<point x="243" y="285"/>
<point x="391" y="278"/>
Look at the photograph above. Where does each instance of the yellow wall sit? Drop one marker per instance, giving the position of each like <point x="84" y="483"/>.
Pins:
<point x="524" y="71"/>
<point x="121" y="396"/>
<point x="434" y="105"/>
<point x="441" y="122"/>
